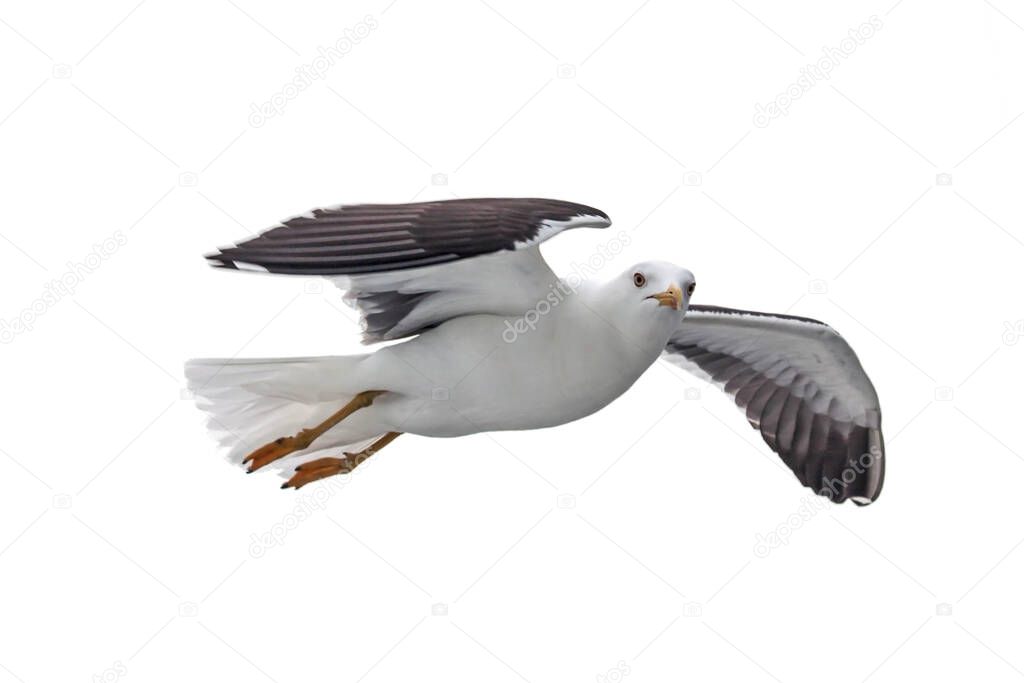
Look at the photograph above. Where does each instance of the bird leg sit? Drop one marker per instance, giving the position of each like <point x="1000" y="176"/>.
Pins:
<point x="289" y="444"/>
<point x="327" y="467"/>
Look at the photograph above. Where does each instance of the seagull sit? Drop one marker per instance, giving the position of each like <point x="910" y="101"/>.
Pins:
<point x="493" y="339"/>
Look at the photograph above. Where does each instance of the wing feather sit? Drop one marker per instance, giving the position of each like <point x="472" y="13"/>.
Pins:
<point x="366" y="238"/>
<point x="799" y="383"/>
<point x="409" y="267"/>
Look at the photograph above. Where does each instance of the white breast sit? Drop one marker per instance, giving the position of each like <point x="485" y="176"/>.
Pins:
<point x="488" y="373"/>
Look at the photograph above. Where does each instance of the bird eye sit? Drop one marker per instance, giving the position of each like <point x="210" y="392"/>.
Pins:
<point x="689" y="290"/>
<point x="639" y="280"/>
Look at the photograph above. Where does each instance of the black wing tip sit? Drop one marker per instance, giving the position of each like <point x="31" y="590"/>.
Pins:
<point x="560" y="208"/>
<point x="582" y="210"/>
<point x="590" y="211"/>
<point x="861" y="479"/>
<point x="218" y="260"/>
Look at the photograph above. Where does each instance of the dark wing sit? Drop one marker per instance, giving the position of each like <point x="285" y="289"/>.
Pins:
<point x="801" y="385"/>
<point x="409" y="267"/>
<point x="374" y="238"/>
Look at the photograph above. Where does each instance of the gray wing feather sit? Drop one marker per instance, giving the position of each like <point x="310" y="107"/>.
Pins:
<point x="409" y="267"/>
<point x="801" y="385"/>
<point x="374" y="238"/>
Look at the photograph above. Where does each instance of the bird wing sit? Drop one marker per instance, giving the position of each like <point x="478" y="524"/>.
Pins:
<point x="801" y="385"/>
<point x="408" y="267"/>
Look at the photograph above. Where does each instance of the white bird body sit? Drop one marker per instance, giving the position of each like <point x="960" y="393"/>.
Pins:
<point x="470" y="375"/>
<point x="495" y="341"/>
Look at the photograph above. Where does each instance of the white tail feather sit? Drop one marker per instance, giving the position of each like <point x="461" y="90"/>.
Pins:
<point x="251" y="402"/>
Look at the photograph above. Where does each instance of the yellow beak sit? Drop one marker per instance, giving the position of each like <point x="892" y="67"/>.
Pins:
<point x="673" y="296"/>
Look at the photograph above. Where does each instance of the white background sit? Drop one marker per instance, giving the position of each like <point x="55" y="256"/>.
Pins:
<point x="625" y="544"/>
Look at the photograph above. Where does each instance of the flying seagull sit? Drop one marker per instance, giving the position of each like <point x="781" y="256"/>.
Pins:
<point x="494" y="340"/>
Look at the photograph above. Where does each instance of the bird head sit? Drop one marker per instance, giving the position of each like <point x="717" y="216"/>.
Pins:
<point x="657" y="285"/>
<point x="649" y="299"/>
